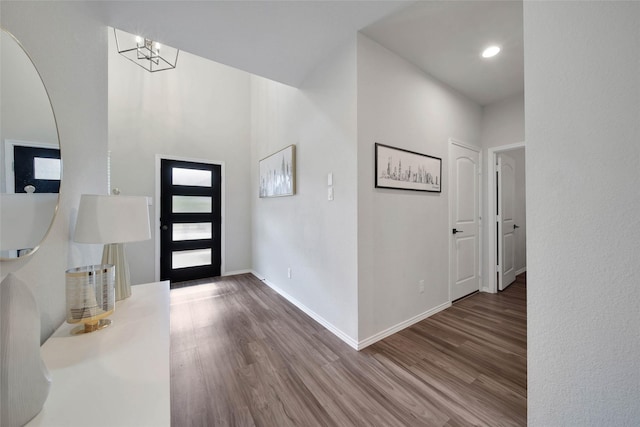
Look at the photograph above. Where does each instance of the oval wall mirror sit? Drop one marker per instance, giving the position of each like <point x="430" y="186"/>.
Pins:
<point x="30" y="161"/>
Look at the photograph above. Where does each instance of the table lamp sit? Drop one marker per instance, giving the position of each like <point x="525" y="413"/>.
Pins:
<point x="113" y="220"/>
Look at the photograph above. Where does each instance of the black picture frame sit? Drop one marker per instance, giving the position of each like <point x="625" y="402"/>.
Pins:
<point x="401" y="169"/>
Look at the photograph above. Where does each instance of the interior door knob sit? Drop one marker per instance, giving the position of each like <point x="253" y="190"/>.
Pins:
<point x="454" y="231"/>
<point x="515" y="226"/>
<point x="164" y="228"/>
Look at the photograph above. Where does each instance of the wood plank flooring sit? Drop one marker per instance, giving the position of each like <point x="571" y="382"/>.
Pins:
<point x="241" y="355"/>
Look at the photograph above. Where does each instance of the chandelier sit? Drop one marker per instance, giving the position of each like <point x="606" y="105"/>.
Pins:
<point x="145" y="52"/>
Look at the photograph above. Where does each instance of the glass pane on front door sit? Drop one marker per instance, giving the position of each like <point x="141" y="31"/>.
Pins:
<point x="192" y="258"/>
<point x="191" y="177"/>
<point x="45" y="168"/>
<point x="191" y="204"/>
<point x="191" y="231"/>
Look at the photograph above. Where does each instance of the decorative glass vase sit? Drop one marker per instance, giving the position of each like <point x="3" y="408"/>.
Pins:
<point x="90" y="297"/>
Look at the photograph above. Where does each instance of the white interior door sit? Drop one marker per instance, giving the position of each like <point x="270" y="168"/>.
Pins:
<point x="507" y="225"/>
<point x="464" y="190"/>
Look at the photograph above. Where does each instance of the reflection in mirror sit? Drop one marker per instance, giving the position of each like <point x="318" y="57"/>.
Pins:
<point x="30" y="163"/>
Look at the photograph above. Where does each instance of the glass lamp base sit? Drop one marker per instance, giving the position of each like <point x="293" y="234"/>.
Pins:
<point x="114" y="254"/>
<point x="91" y="327"/>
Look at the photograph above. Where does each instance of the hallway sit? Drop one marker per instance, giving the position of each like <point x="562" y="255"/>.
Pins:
<point x="243" y="355"/>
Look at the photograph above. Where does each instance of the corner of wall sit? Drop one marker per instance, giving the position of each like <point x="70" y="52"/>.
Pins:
<point x="307" y="234"/>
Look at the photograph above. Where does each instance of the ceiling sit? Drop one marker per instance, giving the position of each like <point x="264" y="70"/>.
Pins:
<point x="285" y="40"/>
<point x="446" y="40"/>
<point x="280" y="40"/>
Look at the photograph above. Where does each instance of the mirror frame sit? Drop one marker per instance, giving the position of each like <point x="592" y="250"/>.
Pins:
<point x="55" y="122"/>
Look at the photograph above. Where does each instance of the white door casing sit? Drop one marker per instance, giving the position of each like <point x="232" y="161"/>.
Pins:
<point x="491" y="268"/>
<point x="464" y="196"/>
<point x="506" y="221"/>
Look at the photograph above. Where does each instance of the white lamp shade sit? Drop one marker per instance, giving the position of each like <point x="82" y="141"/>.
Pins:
<point x="112" y="219"/>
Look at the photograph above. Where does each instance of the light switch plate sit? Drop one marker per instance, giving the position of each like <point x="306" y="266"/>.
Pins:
<point x="330" y="179"/>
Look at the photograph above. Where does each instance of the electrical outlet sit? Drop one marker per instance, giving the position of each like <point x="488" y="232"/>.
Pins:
<point x="330" y="193"/>
<point x="421" y="286"/>
<point x="289" y="272"/>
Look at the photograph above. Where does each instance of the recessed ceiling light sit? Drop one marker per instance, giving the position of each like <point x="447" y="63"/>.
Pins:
<point x="490" y="51"/>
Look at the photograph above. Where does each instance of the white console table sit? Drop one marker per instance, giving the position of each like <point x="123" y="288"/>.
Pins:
<point x="118" y="376"/>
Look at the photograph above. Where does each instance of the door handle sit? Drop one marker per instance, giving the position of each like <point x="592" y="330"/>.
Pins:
<point x="454" y="231"/>
<point x="515" y="226"/>
<point x="164" y="228"/>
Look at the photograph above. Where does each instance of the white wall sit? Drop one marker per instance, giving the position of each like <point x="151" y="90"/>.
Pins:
<point x="503" y="122"/>
<point x="582" y="80"/>
<point x="69" y="49"/>
<point x="403" y="236"/>
<point x="199" y="110"/>
<point x="314" y="237"/>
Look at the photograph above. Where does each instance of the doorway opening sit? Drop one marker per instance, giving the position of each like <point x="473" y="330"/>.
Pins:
<point x="189" y="212"/>
<point x="507" y="215"/>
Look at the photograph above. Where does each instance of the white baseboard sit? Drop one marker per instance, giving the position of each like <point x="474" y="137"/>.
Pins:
<point x="402" y="325"/>
<point x="331" y="328"/>
<point x="356" y="345"/>
<point x="233" y="273"/>
<point x="522" y="270"/>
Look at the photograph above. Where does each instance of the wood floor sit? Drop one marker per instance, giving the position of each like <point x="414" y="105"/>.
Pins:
<point x="241" y="355"/>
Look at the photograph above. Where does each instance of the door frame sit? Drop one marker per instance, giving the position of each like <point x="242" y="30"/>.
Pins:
<point x="492" y="228"/>
<point x="452" y="142"/>
<point x="156" y="227"/>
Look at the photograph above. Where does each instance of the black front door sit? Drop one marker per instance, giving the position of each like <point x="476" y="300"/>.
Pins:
<point x="190" y="220"/>
<point x="39" y="167"/>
